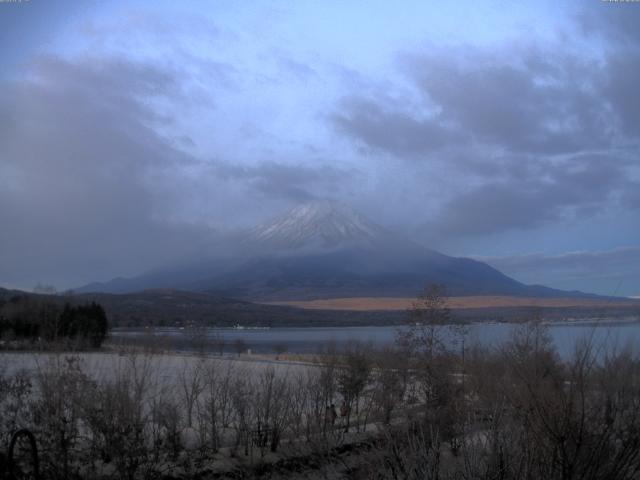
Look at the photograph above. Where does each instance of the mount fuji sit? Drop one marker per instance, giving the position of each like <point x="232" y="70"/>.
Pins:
<point x="325" y="249"/>
<point x="318" y="225"/>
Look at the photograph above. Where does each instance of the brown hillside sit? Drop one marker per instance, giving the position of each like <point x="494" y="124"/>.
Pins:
<point x="401" y="303"/>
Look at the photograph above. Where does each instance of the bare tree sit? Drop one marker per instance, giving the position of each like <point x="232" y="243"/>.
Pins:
<point x="427" y="315"/>
<point x="57" y="411"/>
<point x="218" y="343"/>
<point x="272" y="403"/>
<point x="117" y="416"/>
<point x="279" y="349"/>
<point x="241" y="397"/>
<point x="352" y="380"/>
<point x="391" y="379"/>
<point x="16" y="390"/>
<point x="215" y="406"/>
<point x="190" y="380"/>
<point x="240" y="346"/>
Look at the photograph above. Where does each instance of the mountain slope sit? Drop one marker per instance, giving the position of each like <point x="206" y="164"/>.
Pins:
<point x="327" y="250"/>
<point x="321" y="224"/>
<point x="351" y="272"/>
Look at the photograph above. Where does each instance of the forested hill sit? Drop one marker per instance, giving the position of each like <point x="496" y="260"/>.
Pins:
<point x="178" y="308"/>
<point x="181" y="308"/>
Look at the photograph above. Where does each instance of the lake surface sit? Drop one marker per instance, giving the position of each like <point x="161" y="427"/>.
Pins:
<point x="312" y="339"/>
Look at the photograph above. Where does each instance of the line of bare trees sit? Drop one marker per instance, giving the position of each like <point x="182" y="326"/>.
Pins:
<point x="428" y="407"/>
<point x="513" y="412"/>
<point x="132" y="417"/>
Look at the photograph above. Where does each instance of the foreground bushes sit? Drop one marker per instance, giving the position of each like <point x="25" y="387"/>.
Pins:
<point x="416" y="411"/>
<point x="129" y="418"/>
<point x="521" y="413"/>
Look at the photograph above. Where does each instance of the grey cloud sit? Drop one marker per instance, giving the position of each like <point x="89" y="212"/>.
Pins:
<point x="174" y="36"/>
<point x="538" y="133"/>
<point x="492" y="208"/>
<point x="89" y="187"/>
<point x="616" y="26"/>
<point x="615" y="271"/>
<point x="516" y="100"/>
<point x="154" y="27"/>
<point x="621" y="89"/>
<point x="614" y="22"/>
<point x="77" y="152"/>
<point x="546" y="193"/>
<point x="42" y="22"/>
<point x="499" y="139"/>
<point x="524" y="101"/>
<point x="292" y="182"/>
<point x="591" y="261"/>
<point x="388" y="128"/>
<point x="537" y="98"/>
<point x="632" y="198"/>
<point x="300" y="70"/>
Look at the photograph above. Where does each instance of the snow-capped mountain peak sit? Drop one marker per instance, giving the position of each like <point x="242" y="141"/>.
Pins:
<point x="323" y="223"/>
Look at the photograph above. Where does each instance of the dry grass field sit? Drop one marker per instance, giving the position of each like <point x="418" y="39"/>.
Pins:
<point x="400" y="303"/>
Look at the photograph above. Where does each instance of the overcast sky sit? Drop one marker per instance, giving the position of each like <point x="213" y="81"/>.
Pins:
<point x="132" y="133"/>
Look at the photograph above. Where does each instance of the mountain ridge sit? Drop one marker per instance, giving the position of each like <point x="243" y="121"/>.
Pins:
<point x="324" y="249"/>
<point x="324" y="224"/>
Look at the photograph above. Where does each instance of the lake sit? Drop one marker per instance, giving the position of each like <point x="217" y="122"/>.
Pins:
<point x="312" y="339"/>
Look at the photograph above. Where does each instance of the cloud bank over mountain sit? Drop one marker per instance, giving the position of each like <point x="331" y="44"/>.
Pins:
<point x="135" y="134"/>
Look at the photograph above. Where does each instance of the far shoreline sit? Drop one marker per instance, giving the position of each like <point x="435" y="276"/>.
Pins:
<point x="365" y="304"/>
